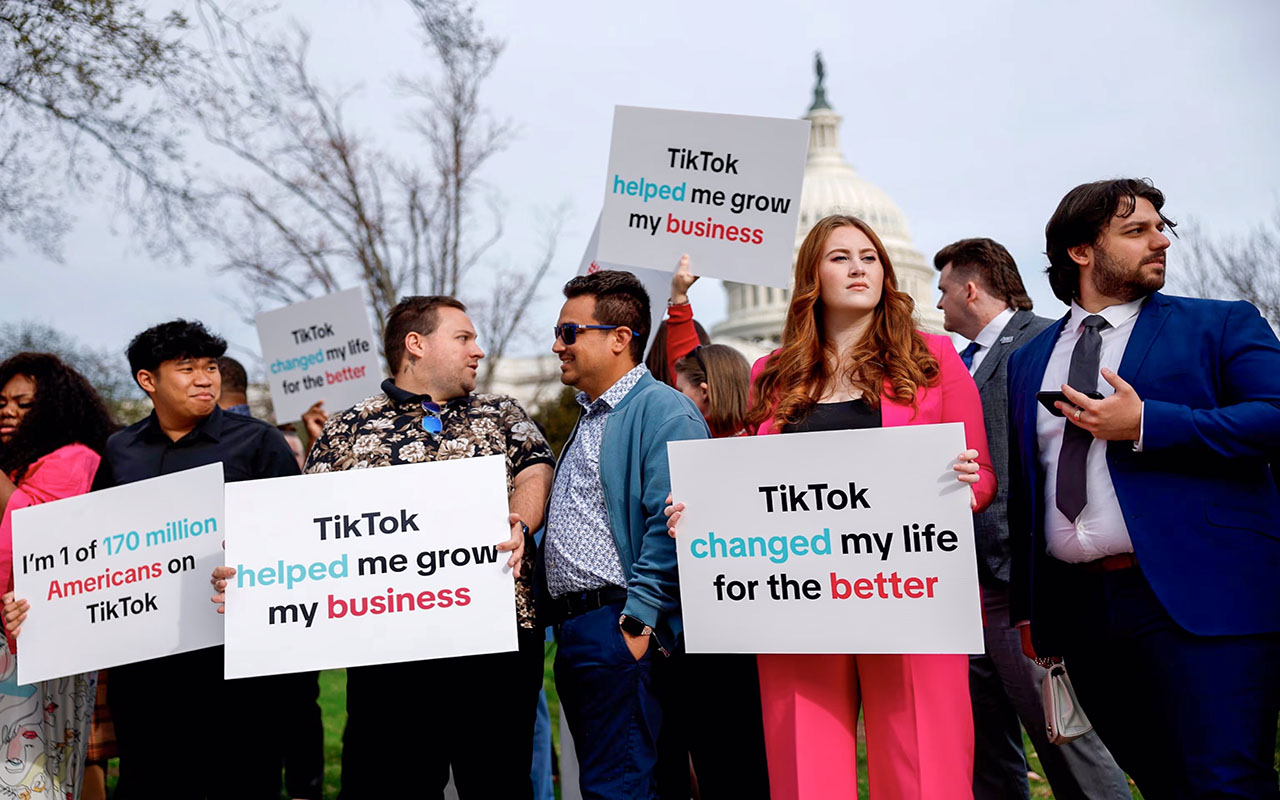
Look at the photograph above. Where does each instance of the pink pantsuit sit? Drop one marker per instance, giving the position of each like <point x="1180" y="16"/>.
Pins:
<point x="918" y="719"/>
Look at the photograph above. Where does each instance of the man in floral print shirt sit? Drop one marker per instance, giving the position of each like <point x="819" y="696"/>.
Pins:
<point x="474" y="713"/>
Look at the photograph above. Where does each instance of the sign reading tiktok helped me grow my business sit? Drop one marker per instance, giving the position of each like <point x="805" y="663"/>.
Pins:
<point x="723" y="188"/>
<point x="119" y="575"/>
<point x="833" y="542"/>
<point x="320" y="349"/>
<point x="368" y="566"/>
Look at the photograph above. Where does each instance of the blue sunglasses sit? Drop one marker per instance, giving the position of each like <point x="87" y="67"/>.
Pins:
<point x="568" y="332"/>
<point x="431" y="422"/>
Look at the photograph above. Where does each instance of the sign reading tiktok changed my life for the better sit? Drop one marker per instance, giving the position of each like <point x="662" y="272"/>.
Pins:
<point x="118" y="575"/>
<point x="723" y="188"/>
<point x="321" y="349"/>
<point x="832" y="542"/>
<point x="368" y="566"/>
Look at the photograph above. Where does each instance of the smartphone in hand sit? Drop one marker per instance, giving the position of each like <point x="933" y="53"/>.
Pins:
<point x="1047" y="399"/>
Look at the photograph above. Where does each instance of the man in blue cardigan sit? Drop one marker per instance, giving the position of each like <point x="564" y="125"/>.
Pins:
<point x="609" y="565"/>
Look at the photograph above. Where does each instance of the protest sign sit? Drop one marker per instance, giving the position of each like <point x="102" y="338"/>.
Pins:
<point x="368" y="566"/>
<point x="656" y="282"/>
<point x="321" y="349"/>
<point x="119" y="575"/>
<point x="833" y="542"/>
<point x="723" y="188"/>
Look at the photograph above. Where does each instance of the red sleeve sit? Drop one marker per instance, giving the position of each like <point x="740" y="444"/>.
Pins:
<point x="682" y="337"/>
<point x="961" y="403"/>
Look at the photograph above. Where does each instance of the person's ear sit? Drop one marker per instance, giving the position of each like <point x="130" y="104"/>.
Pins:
<point x="621" y="340"/>
<point x="971" y="292"/>
<point x="1082" y="254"/>
<point x="147" y="380"/>
<point x="706" y="390"/>
<point x="415" y="346"/>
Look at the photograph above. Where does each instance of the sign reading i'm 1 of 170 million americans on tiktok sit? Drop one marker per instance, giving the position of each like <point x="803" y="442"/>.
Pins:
<point x="119" y="575"/>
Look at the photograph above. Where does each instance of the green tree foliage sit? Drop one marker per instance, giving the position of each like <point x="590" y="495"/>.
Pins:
<point x="557" y="419"/>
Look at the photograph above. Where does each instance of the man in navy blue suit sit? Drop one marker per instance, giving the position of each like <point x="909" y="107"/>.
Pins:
<point x="1154" y="558"/>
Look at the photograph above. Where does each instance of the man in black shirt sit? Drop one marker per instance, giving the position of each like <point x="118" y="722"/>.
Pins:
<point x="165" y="709"/>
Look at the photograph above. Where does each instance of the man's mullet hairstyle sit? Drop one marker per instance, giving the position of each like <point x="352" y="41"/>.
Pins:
<point x="171" y="341"/>
<point x="991" y="265"/>
<point x="620" y="300"/>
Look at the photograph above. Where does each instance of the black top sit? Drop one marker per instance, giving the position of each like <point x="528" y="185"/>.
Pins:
<point x="248" y="449"/>
<point x="846" y="416"/>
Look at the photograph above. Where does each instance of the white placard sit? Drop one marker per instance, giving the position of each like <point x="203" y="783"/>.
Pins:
<point x="879" y="560"/>
<point x="321" y="349"/>
<point x="369" y="566"/>
<point x="723" y="188"/>
<point x="656" y="282"/>
<point x="119" y="575"/>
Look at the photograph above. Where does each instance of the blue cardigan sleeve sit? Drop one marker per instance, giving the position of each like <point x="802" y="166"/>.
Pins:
<point x="653" y="590"/>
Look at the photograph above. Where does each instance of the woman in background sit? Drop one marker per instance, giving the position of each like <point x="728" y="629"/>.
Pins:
<point x="53" y="429"/>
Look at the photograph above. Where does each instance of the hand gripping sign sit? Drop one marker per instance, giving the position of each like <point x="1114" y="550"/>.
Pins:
<point x="723" y="188"/>
<point x="368" y="566"/>
<point x="119" y="575"/>
<point x="833" y="542"/>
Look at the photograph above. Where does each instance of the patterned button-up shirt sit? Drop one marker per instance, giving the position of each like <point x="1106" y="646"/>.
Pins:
<point x="579" y="548"/>
<point x="386" y="429"/>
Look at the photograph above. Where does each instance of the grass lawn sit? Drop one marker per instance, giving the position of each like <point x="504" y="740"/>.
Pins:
<point x="333" y="692"/>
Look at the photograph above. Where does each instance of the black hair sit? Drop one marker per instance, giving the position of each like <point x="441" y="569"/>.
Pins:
<point x="171" y="341"/>
<point x="67" y="410"/>
<point x="234" y="378"/>
<point x="1082" y="216"/>
<point x="413" y="314"/>
<point x="621" y="299"/>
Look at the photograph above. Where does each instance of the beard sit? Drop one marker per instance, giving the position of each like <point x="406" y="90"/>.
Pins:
<point x="1111" y="278"/>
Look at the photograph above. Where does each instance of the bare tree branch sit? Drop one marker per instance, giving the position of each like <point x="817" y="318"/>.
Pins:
<point x="1243" y="267"/>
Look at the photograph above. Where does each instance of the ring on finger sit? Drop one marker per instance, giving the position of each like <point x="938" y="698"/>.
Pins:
<point x="1079" y="411"/>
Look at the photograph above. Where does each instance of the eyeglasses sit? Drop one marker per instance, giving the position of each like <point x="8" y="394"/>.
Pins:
<point x="431" y="422"/>
<point x="567" y="332"/>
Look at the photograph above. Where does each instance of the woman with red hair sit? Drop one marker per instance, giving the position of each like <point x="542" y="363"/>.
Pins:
<point x="852" y="358"/>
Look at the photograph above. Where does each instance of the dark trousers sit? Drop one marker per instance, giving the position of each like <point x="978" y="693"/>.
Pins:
<point x="610" y="703"/>
<point x="408" y="723"/>
<point x="711" y="716"/>
<point x="1004" y="687"/>
<point x="1186" y="716"/>
<point x="183" y="731"/>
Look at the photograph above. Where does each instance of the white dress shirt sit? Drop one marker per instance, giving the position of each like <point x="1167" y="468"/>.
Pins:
<point x="1100" y="529"/>
<point x="986" y="338"/>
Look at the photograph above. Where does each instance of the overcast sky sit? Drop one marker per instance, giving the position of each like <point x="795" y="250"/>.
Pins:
<point x="975" y="117"/>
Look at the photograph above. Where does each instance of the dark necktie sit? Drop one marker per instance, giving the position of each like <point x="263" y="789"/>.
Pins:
<point x="1083" y="377"/>
<point x="967" y="354"/>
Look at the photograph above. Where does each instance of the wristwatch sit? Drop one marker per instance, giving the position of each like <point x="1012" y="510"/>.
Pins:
<point x="634" y="627"/>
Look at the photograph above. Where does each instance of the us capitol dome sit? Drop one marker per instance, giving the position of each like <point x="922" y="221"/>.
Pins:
<point x="831" y="186"/>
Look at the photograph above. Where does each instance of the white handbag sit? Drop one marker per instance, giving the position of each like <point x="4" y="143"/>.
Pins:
<point x="1063" y="716"/>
